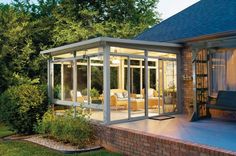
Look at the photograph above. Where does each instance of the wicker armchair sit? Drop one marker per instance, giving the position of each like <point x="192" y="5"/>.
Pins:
<point x="153" y="98"/>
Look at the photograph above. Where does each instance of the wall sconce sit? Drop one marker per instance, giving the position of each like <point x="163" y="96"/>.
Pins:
<point x="115" y="60"/>
<point x="187" y="77"/>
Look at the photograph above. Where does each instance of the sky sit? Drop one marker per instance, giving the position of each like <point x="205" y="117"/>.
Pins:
<point x="167" y="8"/>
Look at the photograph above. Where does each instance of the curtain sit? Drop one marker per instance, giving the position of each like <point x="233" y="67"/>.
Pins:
<point x="231" y="70"/>
<point x="223" y="70"/>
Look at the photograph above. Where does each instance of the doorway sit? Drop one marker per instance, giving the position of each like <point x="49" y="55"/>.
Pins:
<point x="162" y="86"/>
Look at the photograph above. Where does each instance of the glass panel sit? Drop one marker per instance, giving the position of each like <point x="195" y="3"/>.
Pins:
<point x="154" y="102"/>
<point x="153" y="78"/>
<point x="114" y="77"/>
<point x="96" y="90"/>
<point x="127" y="51"/>
<point x="135" y="80"/>
<point x="137" y="101"/>
<point x="63" y="80"/>
<point x="170" y="86"/>
<point x="223" y="71"/>
<point x="57" y="80"/>
<point x="134" y="62"/>
<point x="89" y="51"/>
<point x="82" y="77"/>
<point x="231" y="70"/>
<point x="63" y="56"/>
<point x="118" y="92"/>
<point x="162" y="55"/>
<point x="67" y="81"/>
<point x="150" y="63"/>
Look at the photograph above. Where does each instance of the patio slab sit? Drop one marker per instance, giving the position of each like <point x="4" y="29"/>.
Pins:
<point x="211" y="132"/>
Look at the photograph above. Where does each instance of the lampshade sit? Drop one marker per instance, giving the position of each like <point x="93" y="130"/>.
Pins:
<point x="115" y="61"/>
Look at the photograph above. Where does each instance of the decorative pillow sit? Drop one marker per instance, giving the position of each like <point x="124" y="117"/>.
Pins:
<point x="125" y="94"/>
<point x="79" y="94"/>
<point x="119" y="95"/>
<point x="150" y="92"/>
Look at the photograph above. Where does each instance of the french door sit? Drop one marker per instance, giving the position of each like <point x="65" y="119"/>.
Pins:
<point x="162" y="84"/>
<point x="126" y="74"/>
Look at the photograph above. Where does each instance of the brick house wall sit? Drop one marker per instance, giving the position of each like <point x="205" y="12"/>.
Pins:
<point x="187" y="84"/>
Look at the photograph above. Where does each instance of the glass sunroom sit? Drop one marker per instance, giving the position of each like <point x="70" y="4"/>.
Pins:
<point x="115" y="79"/>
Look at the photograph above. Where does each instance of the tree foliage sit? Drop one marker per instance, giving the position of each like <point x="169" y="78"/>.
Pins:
<point x="27" y="28"/>
<point x="84" y="19"/>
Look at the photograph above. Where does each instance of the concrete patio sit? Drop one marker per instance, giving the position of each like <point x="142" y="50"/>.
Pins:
<point x="211" y="132"/>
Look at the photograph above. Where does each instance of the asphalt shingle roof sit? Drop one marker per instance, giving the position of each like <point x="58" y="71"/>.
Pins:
<point x="203" y="18"/>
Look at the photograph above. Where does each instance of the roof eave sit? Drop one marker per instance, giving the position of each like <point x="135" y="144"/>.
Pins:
<point x="205" y="37"/>
<point x="101" y="41"/>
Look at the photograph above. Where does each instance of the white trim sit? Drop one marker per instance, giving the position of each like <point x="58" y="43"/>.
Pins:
<point x="106" y="85"/>
<point x="89" y="78"/>
<point x="77" y="104"/>
<point x="146" y="83"/>
<point x="75" y="85"/>
<point x="128" y="88"/>
<point x="62" y="82"/>
<point x="101" y="41"/>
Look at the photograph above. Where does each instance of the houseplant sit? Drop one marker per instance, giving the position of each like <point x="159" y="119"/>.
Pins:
<point x="170" y="93"/>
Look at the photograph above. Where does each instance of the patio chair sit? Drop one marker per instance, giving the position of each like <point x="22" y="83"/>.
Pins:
<point x="152" y="98"/>
<point x="118" y="99"/>
<point x="226" y="100"/>
<point x="80" y="98"/>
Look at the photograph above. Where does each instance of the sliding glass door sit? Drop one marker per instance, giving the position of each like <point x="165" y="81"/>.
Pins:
<point x="119" y="94"/>
<point x="137" y="95"/>
<point x="162" y="86"/>
<point x="168" y="83"/>
<point x="128" y="82"/>
<point x="127" y="99"/>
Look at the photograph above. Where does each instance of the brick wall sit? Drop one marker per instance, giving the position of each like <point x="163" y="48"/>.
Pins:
<point x="135" y="143"/>
<point x="187" y="84"/>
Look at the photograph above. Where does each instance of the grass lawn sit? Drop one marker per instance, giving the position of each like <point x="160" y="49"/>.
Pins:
<point x="21" y="148"/>
<point x="4" y="131"/>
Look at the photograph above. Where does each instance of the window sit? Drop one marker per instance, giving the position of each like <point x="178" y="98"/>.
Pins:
<point x="223" y="71"/>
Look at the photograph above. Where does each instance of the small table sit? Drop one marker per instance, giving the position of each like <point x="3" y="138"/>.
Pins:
<point x="136" y="104"/>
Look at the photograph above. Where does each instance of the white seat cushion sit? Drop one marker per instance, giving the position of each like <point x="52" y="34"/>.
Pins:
<point x="119" y="95"/>
<point x="150" y="93"/>
<point x="79" y="94"/>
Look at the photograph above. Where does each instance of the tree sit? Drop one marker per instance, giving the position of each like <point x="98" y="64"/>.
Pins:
<point x="27" y="28"/>
<point x="83" y="19"/>
<point x="15" y="45"/>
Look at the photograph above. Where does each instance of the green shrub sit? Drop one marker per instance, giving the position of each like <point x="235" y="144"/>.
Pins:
<point x="76" y="130"/>
<point x="21" y="106"/>
<point x="57" y="92"/>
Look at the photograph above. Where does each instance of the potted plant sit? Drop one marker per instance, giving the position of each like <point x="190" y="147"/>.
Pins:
<point x="170" y="93"/>
<point x="94" y="93"/>
<point x="190" y="108"/>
